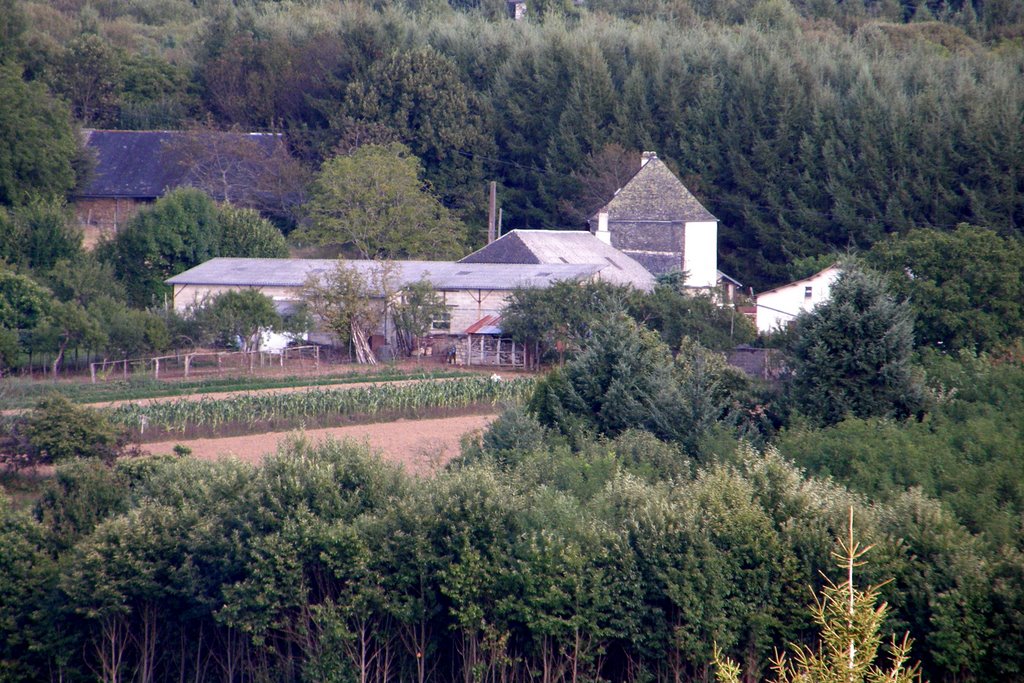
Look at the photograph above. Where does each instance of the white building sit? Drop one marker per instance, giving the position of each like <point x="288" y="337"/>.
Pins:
<point x="778" y="307"/>
<point x="470" y="291"/>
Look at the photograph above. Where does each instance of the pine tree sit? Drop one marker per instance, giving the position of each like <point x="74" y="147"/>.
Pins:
<point x="851" y="621"/>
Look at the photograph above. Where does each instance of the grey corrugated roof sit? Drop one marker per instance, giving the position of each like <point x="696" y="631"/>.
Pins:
<point x="565" y="247"/>
<point x="144" y="164"/>
<point x="444" y="275"/>
<point x="654" y="194"/>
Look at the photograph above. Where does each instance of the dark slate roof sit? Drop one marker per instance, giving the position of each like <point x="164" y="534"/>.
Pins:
<point x="565" y="246"/>
<point x="144" y="164"/>
<point x="657" y="263"/>
<point x="648" y="236"/>
<point x="444" y="275"/>
<point x="654" y="194"/>
<point x="508" y="248"/>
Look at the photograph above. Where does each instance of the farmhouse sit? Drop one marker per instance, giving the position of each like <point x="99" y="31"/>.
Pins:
<point x="472" y="292"/>
<point x="655" y="220"/>
<point x="134" y="168"/>
<point x="778" y="307"/>
<point x="537" y="247"/>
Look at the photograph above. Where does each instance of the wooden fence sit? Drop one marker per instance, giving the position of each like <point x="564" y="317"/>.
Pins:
<point x="206" y="363"/>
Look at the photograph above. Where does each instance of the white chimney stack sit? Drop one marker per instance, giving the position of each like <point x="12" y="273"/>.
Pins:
<point x="647" y="156"/>
<point x="602" y="228"/>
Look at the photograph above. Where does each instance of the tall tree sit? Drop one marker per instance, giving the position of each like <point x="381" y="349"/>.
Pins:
<point x="37" y="143"/>
<point x="851" y="355"/>
<point x="246" y="233"/>
<point x="374" y="203"/>
<point x="416" y="309"/>
<point x="89" y="77"/>
<point x="180" y="231"/>
<point x="621" y="380"/>
<point x="40" y="234"/>
<point x="239" y="316"/>
<point x="419" y="94"/>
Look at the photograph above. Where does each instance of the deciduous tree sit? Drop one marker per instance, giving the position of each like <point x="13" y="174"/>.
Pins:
<point x="247" y="234"/>
<point x="37" y="143"/>
<point x="180" y="231"/>
<point x="351" y="303"/>
<point x="235" y="317"/>
<point x="416" y="308"/>
<point x="966" y="287"/>
<point x="374" y="203"/>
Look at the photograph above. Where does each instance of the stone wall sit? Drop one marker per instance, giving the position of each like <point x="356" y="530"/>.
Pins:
<point x="102" y="217"/>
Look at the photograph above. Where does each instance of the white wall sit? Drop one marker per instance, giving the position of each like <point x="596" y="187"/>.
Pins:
<point x="777" y="307"/>
<point x="466" y="306"/>
<point x="700" y="253"/>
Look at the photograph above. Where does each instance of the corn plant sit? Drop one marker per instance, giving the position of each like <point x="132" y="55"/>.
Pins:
<point x="253" y="409"/>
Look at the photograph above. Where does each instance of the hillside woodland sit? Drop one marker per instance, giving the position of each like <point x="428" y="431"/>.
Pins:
<point x="648" y="502"/>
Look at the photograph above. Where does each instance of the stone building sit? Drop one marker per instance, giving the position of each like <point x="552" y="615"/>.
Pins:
<point x="655" y="220"/>
<point x="132" y="169"/>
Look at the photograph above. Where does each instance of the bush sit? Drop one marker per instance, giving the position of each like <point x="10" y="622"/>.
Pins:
<point x="59" y="430"/>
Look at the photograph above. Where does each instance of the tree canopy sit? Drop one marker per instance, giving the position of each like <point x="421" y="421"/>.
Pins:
<point x="375" y="203"/>
<point x="183" y="229"/>
<point x="38" y="146"/>
<point x="966" y="287"/>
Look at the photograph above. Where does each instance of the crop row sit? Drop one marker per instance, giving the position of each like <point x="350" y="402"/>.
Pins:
<point x="252" y="409"/>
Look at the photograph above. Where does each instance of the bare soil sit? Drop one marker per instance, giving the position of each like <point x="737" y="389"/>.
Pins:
<point x="420" y="446"/>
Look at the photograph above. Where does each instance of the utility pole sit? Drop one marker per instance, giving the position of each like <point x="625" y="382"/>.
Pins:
<point x="492" y="213"/>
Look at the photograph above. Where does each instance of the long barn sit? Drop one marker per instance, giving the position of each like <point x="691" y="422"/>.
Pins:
<point x="471" y="291"/>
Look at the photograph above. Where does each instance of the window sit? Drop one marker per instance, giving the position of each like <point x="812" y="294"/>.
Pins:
<point x="808" y="291"/>
<point x="442" y="323"/>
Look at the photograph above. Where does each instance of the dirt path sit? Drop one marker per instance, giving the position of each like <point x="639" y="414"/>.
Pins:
<point x="421" y="446"/>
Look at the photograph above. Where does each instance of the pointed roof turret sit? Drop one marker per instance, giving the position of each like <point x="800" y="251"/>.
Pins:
<point x="654" y="194"/>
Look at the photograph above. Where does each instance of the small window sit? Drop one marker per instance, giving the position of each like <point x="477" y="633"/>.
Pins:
<point x="442" y="323"/>
<point x="808" y="291"/>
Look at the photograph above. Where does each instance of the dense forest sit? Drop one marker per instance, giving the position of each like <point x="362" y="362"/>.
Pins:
<point x="805" y="127"/>
<point x="648" y="502"/>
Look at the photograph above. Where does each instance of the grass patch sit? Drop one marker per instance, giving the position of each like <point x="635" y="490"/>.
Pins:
<point x="24" y="393"/>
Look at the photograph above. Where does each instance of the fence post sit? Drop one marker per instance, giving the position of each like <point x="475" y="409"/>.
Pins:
<point x="92" y="372"/>
<point x="156" y="368"/>
<point x="188" y="363"/>
<point x="124" y="369"/>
